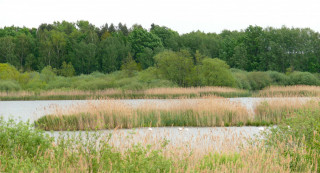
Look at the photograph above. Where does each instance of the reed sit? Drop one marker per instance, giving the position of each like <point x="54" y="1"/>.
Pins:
<point x="159" y="93"/>
<point x="111" y="114"/>
<point x="290" y="91"/>
<point x="276" y="110"/>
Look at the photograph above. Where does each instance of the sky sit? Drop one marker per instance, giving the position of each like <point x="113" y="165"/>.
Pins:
<point x="180" y="15"/>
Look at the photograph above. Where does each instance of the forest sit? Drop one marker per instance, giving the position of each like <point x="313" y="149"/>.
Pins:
<point x="115" y="56"/>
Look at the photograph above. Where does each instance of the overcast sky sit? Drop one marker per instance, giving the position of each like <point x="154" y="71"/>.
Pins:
<point x="180" y="15"/>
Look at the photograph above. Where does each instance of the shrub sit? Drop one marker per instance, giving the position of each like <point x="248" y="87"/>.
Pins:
<point x="67" y="70"/>
<point x="241" y="78"/>
<point x="278" y="78"/>
<point x="8" y="85"/>
<point x="215" y="72"/>
<point x="16" y="136"/>
<point x="303" y="78"/>
<point x="94" y="84"/>
<point x="8" y="72"/>
<point x="48" y="74"/>
<point x="259" y="80"/>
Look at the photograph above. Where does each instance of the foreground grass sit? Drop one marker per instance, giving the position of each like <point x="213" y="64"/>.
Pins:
<point x="25" y="149"/>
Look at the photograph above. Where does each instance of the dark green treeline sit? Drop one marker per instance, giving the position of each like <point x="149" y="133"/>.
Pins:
<point x="89" y="48"/>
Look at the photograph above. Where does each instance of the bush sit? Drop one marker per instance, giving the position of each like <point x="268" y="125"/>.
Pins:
<point x="241" y="78"/>
<point x="67" y="70"/>
<point x="215" y="72"/>
<point x="8" y="85"/>
<point x="16" y="136"/>
<point x="94" y="84"/>
<point x="278" y="78"/>
<point x="48" y="74"/>
<point x="303" y="78"/>
<point x="259" y="80"/>
<point x="60" y="82"/>
<point x="8" y="72"/>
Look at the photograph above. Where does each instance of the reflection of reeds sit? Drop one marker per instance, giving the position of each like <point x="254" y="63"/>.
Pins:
<point x="114" y="114"/>
<point x="290" y="91"/>
<point x="163" y="93"/>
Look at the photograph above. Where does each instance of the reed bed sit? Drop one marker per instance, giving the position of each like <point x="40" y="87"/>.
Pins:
<point x="110" y="114"/>
<point x="290" y="91"/>
<point x="157" y="93"/>
<point x="275" y="110"/>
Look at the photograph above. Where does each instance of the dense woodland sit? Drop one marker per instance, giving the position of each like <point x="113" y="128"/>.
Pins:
<point x="90" y="48"/>
<point x="172" y="59"/>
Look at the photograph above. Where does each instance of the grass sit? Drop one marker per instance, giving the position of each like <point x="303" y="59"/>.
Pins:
<point x="25" y="149"/>
<point x="114" y="114"/>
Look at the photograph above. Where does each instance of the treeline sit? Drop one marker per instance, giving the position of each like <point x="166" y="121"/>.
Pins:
<point x="86" y="48"/>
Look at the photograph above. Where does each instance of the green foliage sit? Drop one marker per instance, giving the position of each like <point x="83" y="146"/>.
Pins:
<point x="129" y="66"/>
<point x="213" y="161"/>
<point x="90" y="48"/>
<point x="67" y="70"/>
<point x="176" y="67"/>
<point x="141" y="39"/>
<point x="278" y="78"/>
<point x="300" y="131"/>
<point x="259" y="80"/>
<point x="48" y="74"/>
<point x="8" y="85"/>
<point x="241" y="78"/>
<point x="15" y="136"/>
<point x="112" y="52"/>
<point x="145" y="58"/>
<point x="8" y="72"/>
<point x="215" y="72"/>
<point x="25" y="149"/>
<point x="303" y="78"/>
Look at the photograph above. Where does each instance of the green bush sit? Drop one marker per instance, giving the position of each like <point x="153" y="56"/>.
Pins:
<point x="8" y="85"/>
<point x="215" y="72"/>
<point x="278" y="78"/>
<point x="94" y="84"/>
<point x="259" y="80"/>
<point x="303" y="78"/>
<point x="15" y="136"/>
<point x="8" y="72"/>
<point x="241" y="78"/>
<point x="26" y="149"/>
<point x="48" y="74"/>
<point x="59" y="83"/>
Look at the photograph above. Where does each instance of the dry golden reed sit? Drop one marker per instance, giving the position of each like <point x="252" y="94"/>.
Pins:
<point x="116" y="114"/>
<point x="275" y="110"/>
<point x="290" y="91"/>
<point x="192" y="92"/>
